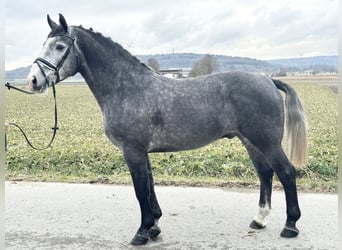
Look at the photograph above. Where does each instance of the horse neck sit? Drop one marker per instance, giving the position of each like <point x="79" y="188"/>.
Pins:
<point x="107" y="68"/>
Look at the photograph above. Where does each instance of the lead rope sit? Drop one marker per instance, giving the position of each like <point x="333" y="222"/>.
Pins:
<point x="55" y="128"/>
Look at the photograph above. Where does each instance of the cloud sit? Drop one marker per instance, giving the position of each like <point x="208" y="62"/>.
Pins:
<point x="262" y="29"/>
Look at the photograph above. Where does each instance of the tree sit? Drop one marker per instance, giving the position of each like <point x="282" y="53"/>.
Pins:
<point x="205" y="66"/>
<point x="153" y="63"/>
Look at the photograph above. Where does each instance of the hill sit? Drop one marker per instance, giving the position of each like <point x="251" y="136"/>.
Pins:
<point x="224" y="63"/>
<point x="317" y="63"/>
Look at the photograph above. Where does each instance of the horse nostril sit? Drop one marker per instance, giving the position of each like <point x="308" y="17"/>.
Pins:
<point x="34" y="80"/>
<point x="32" y="83"/>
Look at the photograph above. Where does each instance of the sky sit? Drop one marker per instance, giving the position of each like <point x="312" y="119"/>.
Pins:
<point x="262" y="29"/>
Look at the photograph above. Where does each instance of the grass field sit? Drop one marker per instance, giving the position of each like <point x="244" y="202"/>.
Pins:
<point x="82" y="153"/>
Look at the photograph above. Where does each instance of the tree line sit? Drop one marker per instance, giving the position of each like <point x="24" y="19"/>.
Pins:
<point x="205" y="66"/>
<point x="208" y="64"/>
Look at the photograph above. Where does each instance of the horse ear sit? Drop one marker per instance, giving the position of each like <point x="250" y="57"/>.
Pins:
<point x="51" y="23"/>
<point x="63" y="23"/>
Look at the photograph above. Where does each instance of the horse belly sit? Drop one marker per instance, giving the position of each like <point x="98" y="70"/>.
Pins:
<point x="191" y="121"/>
<point x="177" y="145"/>
<point x="187" y="135"/>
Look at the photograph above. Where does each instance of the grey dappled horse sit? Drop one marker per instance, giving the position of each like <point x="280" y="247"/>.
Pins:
<point x="144" y="112"/>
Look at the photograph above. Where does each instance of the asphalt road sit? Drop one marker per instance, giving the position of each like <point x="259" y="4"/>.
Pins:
<point x="88" y="216"/>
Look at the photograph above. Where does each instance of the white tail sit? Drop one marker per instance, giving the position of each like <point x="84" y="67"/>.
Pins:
<point x="295" y="125"/>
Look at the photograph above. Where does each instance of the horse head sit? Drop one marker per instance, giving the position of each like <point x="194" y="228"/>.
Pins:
<point x="58" y="58"/>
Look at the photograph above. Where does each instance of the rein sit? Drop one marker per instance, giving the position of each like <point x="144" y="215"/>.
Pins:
<point x="42" y="62"/>
<point x="55" y="127"/>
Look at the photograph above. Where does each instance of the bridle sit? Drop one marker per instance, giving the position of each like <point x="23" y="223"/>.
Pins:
<point x="43" y="62"/>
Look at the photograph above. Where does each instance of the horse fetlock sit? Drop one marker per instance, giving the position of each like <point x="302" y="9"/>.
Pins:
<point x="293" y="216"/>
<point x="154" y="231"/>
<point x="157" y="216"/>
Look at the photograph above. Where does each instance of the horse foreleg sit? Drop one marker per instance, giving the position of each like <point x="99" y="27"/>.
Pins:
<point x="138" y="165"/>
<point x="157" y="213"/>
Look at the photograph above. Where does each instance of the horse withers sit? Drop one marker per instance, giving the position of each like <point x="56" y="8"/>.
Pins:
<point x="144" y="112"/>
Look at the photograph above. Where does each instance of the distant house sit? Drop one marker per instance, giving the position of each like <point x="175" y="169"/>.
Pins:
<point x="172" y="73"/>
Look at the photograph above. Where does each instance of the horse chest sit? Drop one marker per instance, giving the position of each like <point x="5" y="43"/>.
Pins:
<point x="123" y="131"/>
<point x="111" y="130"/>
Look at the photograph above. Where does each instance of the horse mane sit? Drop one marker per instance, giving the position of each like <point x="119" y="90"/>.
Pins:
<point x="108" y="42"/>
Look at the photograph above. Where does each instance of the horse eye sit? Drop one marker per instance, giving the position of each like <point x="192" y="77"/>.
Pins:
<point x="60" y="47"/>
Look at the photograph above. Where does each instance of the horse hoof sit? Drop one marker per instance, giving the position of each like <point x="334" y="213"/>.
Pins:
<point x="139" y="239"/>
<point x="256" y="225"/>
<point x="289" y="232"/>
<point x="154" y="231"/>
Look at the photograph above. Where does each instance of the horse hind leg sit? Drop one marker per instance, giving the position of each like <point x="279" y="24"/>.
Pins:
<point x="287" y="176"/>
<point x="265" y="173"/>
<point x="265" y="177"/>
<point x="286" y="173"/>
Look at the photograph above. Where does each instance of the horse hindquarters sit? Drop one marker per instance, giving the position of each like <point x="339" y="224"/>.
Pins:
<point x="262" y="131"/>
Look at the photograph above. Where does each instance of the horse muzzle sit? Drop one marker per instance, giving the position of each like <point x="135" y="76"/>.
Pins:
<point x="36" y="81"/>
<point x="34" y="87"/>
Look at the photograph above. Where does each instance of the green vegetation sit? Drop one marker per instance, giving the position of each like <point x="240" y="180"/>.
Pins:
<point x="82" y="153"/>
